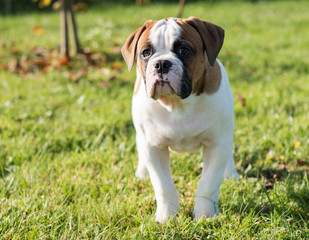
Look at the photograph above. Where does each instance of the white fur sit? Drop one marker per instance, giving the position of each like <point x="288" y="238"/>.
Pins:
<point x="171" y="31"/>
<point x="205" y="121"/>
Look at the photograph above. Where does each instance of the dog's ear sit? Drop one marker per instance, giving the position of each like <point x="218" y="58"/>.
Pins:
<point x="129" y="48"/>
<point x="212" y="36"/>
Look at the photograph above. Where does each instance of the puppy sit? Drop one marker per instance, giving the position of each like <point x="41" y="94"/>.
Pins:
<point x="182" y="101"/>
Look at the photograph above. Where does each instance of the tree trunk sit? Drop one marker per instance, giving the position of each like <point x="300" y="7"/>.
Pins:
<point x="180" y="8"/>
<point x="73" y="27"/>
<point x="8" y="6"/>
<point x="64" y="29"/>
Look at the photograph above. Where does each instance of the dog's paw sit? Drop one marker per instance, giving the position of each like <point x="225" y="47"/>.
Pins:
<point x="205" y="208"/>
<point x="166" y="212"/>
<point x="231" y="174"/>
<point x="141" y="173"/>
<point x="230" y="170"/>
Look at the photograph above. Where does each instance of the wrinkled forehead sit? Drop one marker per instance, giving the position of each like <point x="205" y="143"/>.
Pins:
<point x="164" y="33"/>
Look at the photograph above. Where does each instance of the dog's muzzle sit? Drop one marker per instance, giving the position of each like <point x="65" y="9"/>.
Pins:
<point x="167" y="79"/>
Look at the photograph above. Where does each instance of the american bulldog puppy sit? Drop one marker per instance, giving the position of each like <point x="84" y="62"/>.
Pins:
<point x="182" y="101"/>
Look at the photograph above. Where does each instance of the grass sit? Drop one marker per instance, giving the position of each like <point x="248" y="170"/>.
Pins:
<point x="67" y="149"/>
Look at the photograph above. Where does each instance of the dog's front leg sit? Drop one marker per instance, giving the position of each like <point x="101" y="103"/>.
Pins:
<point x="157" y="162"/>
<point x="215" y="158"/>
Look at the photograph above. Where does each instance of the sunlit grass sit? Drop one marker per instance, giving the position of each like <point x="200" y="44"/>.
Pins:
<point x="67" y="149"/>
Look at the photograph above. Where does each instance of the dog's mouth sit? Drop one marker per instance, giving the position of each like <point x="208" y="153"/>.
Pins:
<point x="167" y="78"/>
<point x="160" y="88"/>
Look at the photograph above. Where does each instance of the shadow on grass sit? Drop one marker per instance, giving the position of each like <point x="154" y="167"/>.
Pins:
<point x="276" y="192"/>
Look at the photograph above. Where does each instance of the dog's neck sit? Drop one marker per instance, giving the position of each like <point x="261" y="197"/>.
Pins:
<point x="169" y="102"/>
<point x="175" y="103"/>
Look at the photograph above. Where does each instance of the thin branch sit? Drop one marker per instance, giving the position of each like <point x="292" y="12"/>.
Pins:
<point x="73" y="27"/>
<point x="180" y="8"/>
<point x="64" y="29"/>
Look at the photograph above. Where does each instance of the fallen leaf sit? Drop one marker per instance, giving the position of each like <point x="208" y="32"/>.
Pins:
<point x="90" y="61"/>
<point x="41" y="63"/>
<point x="64" y="61"/>
<point x="242" y="99"/>
<point x="104" y="84"/>
<point x="115" y="49"/>
<point x="142" y="2"/>
<point x="53" y="54"/>
<point x="14" y="65"/>
<point x="39" y="51"/>
<point x="25" y="58"/>
<point x="37" y="30"/>
<point x="24" y="70"/>
<point x="80" y="6"/>
<point x="99" y="64"/>
<point x="14" y="51"/>
<point x="299" y="162"/>
<point x="117" y="65"/>
<point x="96" y="56"/>
<point x="24" y="65"/>
<point x="105" y="71"/>
<point x="95" y="59"/>
<point x="66" y="74"/>
<point x="297" y="144"/>
<point x="77" y="76"/>
<point x="46" y="69"/>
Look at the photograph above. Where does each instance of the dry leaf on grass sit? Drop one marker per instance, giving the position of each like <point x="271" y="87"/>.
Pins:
<point x="37" y="30"/>
<point x="104" y="84"/>
<point x="64" y="61"/>
<point x="242" y="99"/>
<point x="117" y="66"/>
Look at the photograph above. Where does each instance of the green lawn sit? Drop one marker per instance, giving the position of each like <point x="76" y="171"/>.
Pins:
<point x="67" y="144"/>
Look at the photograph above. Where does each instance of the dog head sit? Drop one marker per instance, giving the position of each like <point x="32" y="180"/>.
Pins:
<point x="174" y="55"/>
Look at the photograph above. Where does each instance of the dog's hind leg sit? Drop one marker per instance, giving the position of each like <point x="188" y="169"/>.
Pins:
<point x="215" y="159"/>
<point x="141" y="171"/>
<point x="230" y="170"/>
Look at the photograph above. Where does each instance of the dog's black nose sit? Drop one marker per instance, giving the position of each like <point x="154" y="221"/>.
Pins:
<point x="163" y="66"/>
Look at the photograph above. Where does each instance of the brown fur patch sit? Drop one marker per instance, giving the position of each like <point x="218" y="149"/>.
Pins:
<point x="130" y="48"/>
<point x="168" y="101"/>
<point x="211" y="34"/>
<point x="137" y="85"/>
<point x="210" y="81"/>
<point x="141" y="43"/>
<point x="205" y="78"/>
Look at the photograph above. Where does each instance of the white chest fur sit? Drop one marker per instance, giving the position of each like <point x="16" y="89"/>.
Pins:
<point x="187" y="125"/>
<point x="198" y="121"/>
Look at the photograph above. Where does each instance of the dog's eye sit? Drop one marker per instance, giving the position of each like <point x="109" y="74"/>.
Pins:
<point x="146" y="52"/>
<point x="183" y="51"/>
